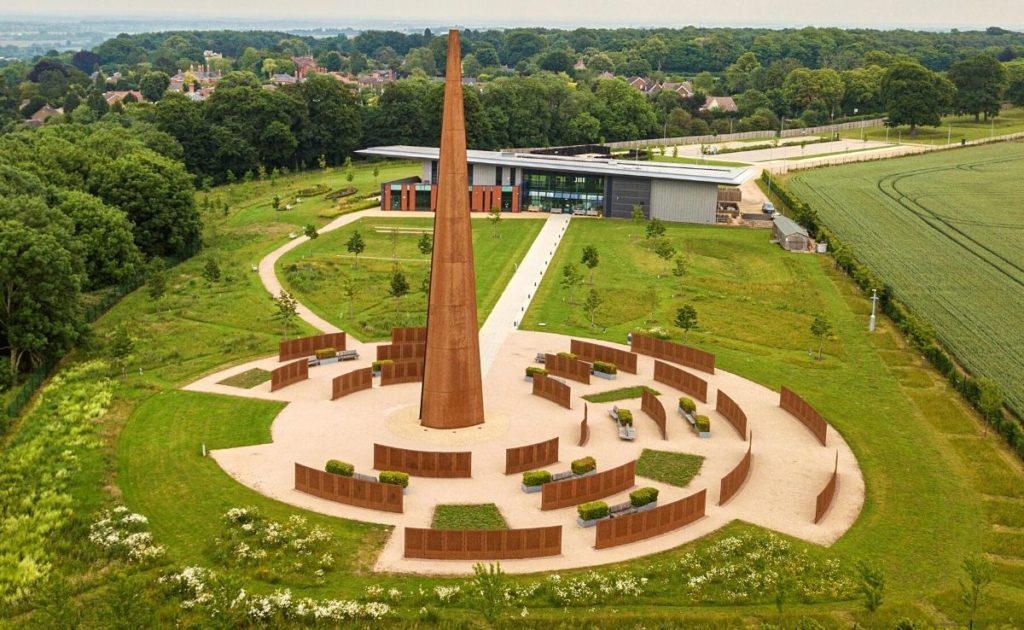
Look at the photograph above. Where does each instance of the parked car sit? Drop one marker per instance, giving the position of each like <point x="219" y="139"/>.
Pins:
<point x="768" y="207"/>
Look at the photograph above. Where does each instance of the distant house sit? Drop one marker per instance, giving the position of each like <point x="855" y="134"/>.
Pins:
<point x="580" y="65"/>
<point x="118" y="96"/>
<point x="719" y="103"/>
<point x="305" y="65"/>
<point x="376" y="80"/>
<point x="606" y="76"/>
<point x="283" y="79"/>
<point x="684" y="89"/>
<point x="790" y="235"/>
<point x="41" y="116"/>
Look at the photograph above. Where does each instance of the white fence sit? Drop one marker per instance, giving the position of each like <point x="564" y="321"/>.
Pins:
<point x="746" y="135"/>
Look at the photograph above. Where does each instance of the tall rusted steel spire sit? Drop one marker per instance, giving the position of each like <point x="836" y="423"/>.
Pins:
<point x="452" y="395"/>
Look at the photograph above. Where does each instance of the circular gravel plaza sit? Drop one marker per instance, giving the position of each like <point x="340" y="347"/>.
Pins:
<point x="788" y="469"/>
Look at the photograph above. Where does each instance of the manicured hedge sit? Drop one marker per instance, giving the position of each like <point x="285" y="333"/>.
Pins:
<point x="567" y="355"/>
<point x="625" y="417"/>
<point x="605" y="367"/>
<point x="533" y="371"/>
<point x="326" y="353"/>
<point x="592" y="510"/>
<point x="703" y="424"/>
<point x="394" y="478"/>
<point x="375" y="366"/>
<point x="583" y="465"/>
<point x="643" y="496"/>
<point x="536" y="477"/>
<point x="687" y="404"/>
<point x="338" y="467"/>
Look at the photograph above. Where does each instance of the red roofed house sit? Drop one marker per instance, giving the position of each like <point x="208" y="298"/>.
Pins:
<point x="719" y="103"/>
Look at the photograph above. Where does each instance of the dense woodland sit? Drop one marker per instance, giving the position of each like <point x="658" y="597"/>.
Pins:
<point x="100" y="189"/>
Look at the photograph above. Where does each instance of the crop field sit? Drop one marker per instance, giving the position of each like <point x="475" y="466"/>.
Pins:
<point x="946" y="232"/>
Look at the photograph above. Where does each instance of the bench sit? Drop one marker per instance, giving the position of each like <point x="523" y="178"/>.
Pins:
<point x="348" y="355"/>
<point x="363" y="477"/>
<point x="614" y="413"/>
<point x="620" y="507"/>
<point x="539" y="358"/>
<point x="562" y="475"/>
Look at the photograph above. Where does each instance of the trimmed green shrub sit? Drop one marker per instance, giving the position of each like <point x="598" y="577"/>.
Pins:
<point x="326" y="353"/>
<point x="375" y="366"/>
<point x="533" y="371"/>
<point x="584" y="465"/>
<point x="703" y="424"/>
<point x="605" y="367"/>
<point x="536" y="478"/>
<point x="687" y="404"/>
<point x="625" y="417"/>
<point x="593" y="510"/>
<point x="643" y="496"/>
<point x="394" y="478"/>
<point x="567" y="355"/>
<point x="338" y="467"/>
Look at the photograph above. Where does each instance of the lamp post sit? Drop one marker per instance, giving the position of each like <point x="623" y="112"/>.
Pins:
<point x="874" y="301"/>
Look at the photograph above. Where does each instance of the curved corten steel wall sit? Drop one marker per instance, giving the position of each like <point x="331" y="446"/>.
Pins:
<point x="558" y="393"/>
<point x="584" y="429"/>
<point x="307" y="346"/>
<point x="732" y="412"/>
<point x="805" y="413"/>
<point x="674" y="352"/>
<point x="826" y="496"/>
<point x="403" y="372"/>
<point x="650" y="405"/>
<point x="681" y="380"/>
<point x="289" y="374"/>
<point x="641" y="525"/>
<point x="354" y="381"/>
<point x="348" y="490"/>
<point x="625" y="361"/>
<point x="423" y="463"/>
<point x="401" y="351"/>
<point x="732" y="482"/>
<point x="567" y="368"/>
<point x="560" y="494"/>
<point x="531" y="456"/>
<point x="483" y="544"/>
<point x="409" y="335"/>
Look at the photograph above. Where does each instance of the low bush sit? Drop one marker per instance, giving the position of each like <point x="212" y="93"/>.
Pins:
<point x="338" y="467"/>
<point x="656" y="331"/>
<point x="533" y="371"/>
<point x="326" y="353"/>
<point x="394" y="478"/>
<point x="625" y="417"/>
<point x="319" y="189"/>
<point x="643" y="496"/>
<point x="703" y="424"/>
<point x="583" y="465"/>
<point x="687" y="404"/>
<point x="376" y="365"/>
<point x="593" y="510"/>
<point x="338" y="194"/>
<point x="605" y="367"/>
<point x="536" y="478"/>
<point x="567" y="355"/>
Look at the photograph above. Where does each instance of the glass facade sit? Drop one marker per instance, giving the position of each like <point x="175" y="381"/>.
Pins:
<point x="566" y="191"/>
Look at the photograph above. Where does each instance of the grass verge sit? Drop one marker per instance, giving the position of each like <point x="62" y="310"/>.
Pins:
<point x="675" y="469"/>
<point x="623" y="393"/>
<point x="463" y="516"/>
<point x="247" y="379"/>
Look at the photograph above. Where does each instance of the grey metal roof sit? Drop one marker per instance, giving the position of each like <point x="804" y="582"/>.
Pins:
<point x="788" y="226"/>
<point x="728" y="176"/>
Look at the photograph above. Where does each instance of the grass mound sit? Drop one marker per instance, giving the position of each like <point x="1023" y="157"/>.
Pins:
<point x="622" y="393"/>
<point x="676" y="469"/>
<point x="247" y="379"/>
<point x="482" y="516"/>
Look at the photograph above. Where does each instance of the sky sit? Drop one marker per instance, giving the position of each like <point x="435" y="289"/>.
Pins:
<point x="927" y="14"/>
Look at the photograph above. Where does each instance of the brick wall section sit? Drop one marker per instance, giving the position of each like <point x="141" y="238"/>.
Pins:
<point x="402" y="351"/>
<point x="565" y="367"/>
<point x="289" y="374"/>
<point x="642" y="525"/>
<point x="409" y="335"/>
<point x="584" y="429"/>
<point x="681" y="380"/>
<point x="732" y="482"/>
<point x="558" y="393"/>
<point x="674" y="352"/>
<point x="826" y="496"/>
<point x="650" y="405"/>
<point x="732" y="412"/>
<point x="483" y="544"/>
<point x="351" y="383"/>
<point x="307" y="346"/>
<point x="348" y="490"/>
<point x="805" y="413"/>
<point x="404" y="372"/>
<point x="625" y="361"/>
<point x="423" y="463"/>
<point x="531" y="456"/>
<point x="560" y="494"/>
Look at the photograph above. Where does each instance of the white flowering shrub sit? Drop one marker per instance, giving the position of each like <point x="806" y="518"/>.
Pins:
<point x="595" y="588"/>
<point x="123" y="534"/>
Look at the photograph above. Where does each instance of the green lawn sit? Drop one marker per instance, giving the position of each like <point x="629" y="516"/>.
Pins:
<point x="316" y="272"/>
<point x="953" y="129"/>
<point x="622" y="393"/>
<point x="675" y="469"/>
<point x="247" y="379"/>
<point x="460" y="516"/>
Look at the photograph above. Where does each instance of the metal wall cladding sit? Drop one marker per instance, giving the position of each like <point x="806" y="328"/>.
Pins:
<point x="556" y="392"/>
<point x="401" y="372"/>
<point x="348" y="490"/>
<point x="805" y="413"/>
<point x="352" y="382"/>
<point x="307" y="346"/>
<point x="289" y="374"/>
<point x="683" y="202"/>
<point x="560" y="494"/>
<point x="641" y="525"/>
<point x="681" y="380"/>
<point x="733" y="481"/>
<point x="622" y="193"/>
<point x="423" y="463"/>
<point x="485" y="544"/>
<point x="732" y="412"/>
<point x="531" y="456"/>
<point x="625" y="361"/>
<point x="674" y="352"/>
<point x="650" y="405"/>
<point x="565" y="367"/>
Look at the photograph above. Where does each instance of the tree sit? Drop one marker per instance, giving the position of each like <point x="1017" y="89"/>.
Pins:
<point x="488" y="590"/>
<point x="156" y="280"/>
<point x="495" y="220"/>
<point x="821" y="328"/>
<point x="871" y="585"/>
<point x="355" y="246"/>
<point x="571" y="280"/>
<point x="624" y="112"/>
<point x="664" y="249"/>
<point x="310" y="232"/>
<point x="276" y="203"/>
<point x="211" y="270"/>
<point x="979" y="575"/>
<point x="591" y="304"/>
<point x="651" y="297"/>
<point x="287" y="309"/>
<point x="333" y="124"/>
<point x="399" y="287"/>
<point x="350" y="173"/>
<point x="980" y="82"/>
<point x="914" y="95"/>
<point x="655" y="228"/>
<point x="686" y="318"/>
<point x="636" y="215"/>
<point x="349" y="288"/>
<point x="425" y="244"/>
<point x="1015" y="83"/>
<point x="590" y="259"/>
<point x="105" y="237"/>
<point x="153" y="85"/>
<point x="121" y="347"/>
